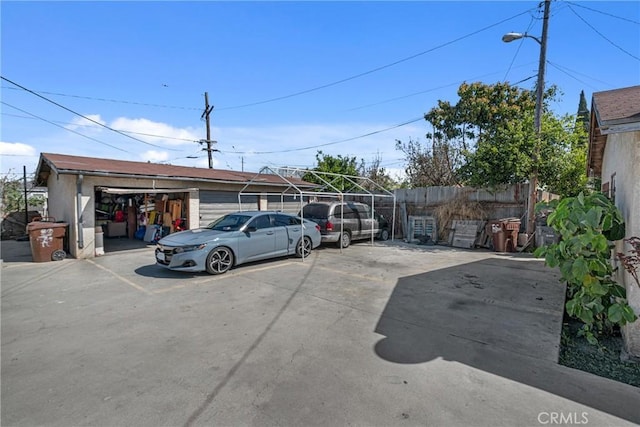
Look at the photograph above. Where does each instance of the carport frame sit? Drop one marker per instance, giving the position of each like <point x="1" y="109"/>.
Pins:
<point x="330" y="182"/>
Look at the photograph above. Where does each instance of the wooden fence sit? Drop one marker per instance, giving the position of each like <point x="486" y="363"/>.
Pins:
<point x="447" y="204"/>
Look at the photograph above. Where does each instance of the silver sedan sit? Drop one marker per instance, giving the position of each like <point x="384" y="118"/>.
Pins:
<point x="238" y="238"/>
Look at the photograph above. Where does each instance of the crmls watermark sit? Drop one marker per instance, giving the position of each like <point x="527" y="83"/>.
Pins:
<point x="563" y="418"/>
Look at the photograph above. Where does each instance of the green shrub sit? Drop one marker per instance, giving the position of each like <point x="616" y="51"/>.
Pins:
<point x="588" y="224"/>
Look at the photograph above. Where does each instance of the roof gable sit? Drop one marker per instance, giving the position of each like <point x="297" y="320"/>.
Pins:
<point x="612" y="111"/>
<point x="617" y="107"/>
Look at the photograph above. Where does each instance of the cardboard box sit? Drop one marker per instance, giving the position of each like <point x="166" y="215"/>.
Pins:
<point x="116" y="229"/>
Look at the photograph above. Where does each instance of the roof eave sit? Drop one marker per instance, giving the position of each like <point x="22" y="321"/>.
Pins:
<point x="166" y="177"/>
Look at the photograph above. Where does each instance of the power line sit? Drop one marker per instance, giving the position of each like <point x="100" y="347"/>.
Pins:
<point x="515" y="55"/>
<point x="144" y="104"/>
<point x="568" y="70"/>
<point x="37" y="93"/>
<point x="602" y="35"/>
<point x="121" y="130"/>
<point x="570" y="75"/>
<point x="67" y="129"/>
<point x="328" y="143"/>
<point x="84" y="117"/>
<point x="279" y="98"/>
<point x="603" y="13"/>
<point x="423" y="91"/>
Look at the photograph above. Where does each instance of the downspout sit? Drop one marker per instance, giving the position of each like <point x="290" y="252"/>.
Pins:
<point x="79" y="208"/>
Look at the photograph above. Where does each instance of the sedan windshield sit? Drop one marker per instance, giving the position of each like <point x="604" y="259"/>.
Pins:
<point x="231" y="222"/>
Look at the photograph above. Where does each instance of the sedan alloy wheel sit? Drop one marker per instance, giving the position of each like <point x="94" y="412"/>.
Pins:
<point x="303" y="250"/>
<point x="219" y="261"/>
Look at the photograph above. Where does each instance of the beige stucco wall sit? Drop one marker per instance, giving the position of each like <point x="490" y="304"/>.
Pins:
<point x="622" y="157"/>
<point x="62" y="196"/>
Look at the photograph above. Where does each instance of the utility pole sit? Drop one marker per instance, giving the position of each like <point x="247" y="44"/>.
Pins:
<point x="26" y="200"/>
<point x="533" y="181"/>
<point x="535" y="155"/>
<point x="207" y="112"/>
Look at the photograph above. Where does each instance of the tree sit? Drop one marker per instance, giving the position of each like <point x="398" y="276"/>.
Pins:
<point x="564" y="156"/>
<point x="583" y="116"/>
<point x="435" y="163"/>
<point x="13" y="196"/>
<point x="333" y="165"/>
<point x="487" y="139"/>
<point x="378" y="174"/>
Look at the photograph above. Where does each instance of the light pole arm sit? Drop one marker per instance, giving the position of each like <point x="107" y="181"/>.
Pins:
<point x="509" y="37"/>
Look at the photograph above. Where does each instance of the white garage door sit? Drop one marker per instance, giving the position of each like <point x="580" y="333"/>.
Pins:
<point x="287" y="203"/>
<point x="214" y="204"/>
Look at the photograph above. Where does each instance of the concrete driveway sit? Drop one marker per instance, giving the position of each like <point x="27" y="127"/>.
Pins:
<point x="380" y="335"/>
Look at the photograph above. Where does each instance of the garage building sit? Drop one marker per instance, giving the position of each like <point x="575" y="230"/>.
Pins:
<point x="136" y="200"/>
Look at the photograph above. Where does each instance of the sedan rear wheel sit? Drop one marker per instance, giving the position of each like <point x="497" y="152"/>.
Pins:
<point x="219" y="261"/>
<point x="303" y="250"/>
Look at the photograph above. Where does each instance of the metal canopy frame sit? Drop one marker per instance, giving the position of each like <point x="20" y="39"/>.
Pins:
<point x="333" y="185"/>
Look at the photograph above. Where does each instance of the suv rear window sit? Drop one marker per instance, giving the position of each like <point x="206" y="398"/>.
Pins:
<point x="315" y="211"/>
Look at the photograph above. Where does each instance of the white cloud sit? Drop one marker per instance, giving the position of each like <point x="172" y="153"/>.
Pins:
<point x="247" y="148"/>
<point x="154" y="156"/>
<point x="16" y="149"/>
<point x="82" y="124"/>
<point x="15" y="157"/>
<point x="156" y="132"/>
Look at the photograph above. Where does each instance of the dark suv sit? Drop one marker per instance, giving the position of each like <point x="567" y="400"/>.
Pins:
<point x="342" y="222"/>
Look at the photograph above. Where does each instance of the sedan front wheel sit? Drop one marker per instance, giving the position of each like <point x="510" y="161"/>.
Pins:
<point x="219" y="261"/>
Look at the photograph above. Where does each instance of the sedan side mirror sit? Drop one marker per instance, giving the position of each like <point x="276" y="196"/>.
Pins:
<point x="250" y="229"/>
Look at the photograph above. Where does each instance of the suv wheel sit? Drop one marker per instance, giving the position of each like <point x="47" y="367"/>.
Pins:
<point x="384" y="234"/>
<point x="345" y="240"/>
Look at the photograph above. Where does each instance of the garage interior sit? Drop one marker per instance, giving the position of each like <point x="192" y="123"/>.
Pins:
<point x="131" y="218"/>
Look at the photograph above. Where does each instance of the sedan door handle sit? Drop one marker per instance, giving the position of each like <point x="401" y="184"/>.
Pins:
<point x="269" y="233"/>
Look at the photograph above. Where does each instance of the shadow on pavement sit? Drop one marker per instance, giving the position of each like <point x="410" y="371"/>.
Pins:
<point x="15" y="251"/>
<point x="476" y="314"/>
<point x="158" y="272"/>
<point x="118" y="244"/>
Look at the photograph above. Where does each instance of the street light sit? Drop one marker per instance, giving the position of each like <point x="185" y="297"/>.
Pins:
<point x="509" y="37"/>
<point x="533" y="179"/>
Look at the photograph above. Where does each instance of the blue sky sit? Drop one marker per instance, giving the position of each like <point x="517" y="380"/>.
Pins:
<point x="286" y="78"/>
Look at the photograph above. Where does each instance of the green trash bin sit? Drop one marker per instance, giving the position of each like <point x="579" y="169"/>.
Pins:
<point x="47" y="240"/>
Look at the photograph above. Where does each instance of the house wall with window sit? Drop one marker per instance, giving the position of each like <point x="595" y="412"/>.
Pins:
<point x="621" y="174"/>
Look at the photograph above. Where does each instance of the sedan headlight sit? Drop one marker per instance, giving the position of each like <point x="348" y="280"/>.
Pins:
<point x="190" y="248"/>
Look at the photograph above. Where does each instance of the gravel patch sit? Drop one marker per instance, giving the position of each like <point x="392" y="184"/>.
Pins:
<point x="603" y="360"/>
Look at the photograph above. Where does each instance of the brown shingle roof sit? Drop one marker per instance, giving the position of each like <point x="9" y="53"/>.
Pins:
<point x="617" y="106"/>
<point x="66" y="164"/>
<point x="612" y="111"/>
